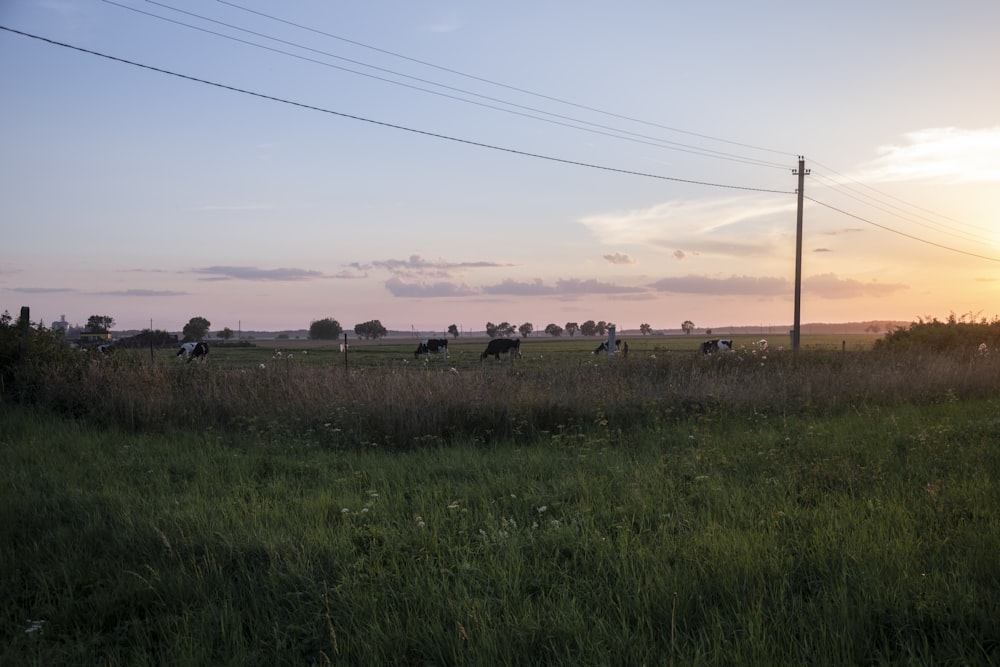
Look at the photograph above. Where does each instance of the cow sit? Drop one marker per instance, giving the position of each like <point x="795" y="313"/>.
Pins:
<point x="435" y="345"/>
<point x="192" y="351"/>
<point x="603" y="347"/>
<point x="104" y="349"/>
<point x="498" y="346"/>
<point x="716" y="345"/>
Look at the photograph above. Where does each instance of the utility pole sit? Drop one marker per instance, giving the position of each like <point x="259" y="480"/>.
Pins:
<point x="796" y="326"/>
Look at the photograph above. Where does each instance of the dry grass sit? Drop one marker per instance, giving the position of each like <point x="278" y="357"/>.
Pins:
<point x="399" y="405"/>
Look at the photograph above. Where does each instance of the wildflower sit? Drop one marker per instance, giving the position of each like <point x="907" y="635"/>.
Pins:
<point x="453" y="506"/>
<point x="344" y="510"/>
<point x="541" y="510"/>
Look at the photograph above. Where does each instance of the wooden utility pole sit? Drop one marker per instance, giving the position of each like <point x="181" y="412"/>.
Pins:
<point x="796" y="325"/>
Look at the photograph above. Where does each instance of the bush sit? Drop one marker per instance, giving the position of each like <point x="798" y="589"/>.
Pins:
<point x="957" y="335"/>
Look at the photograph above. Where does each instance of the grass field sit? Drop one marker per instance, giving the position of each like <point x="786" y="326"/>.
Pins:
<point x="828" y="508"/>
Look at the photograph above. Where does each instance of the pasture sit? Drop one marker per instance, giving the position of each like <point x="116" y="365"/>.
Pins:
<point x="830" y="507"/>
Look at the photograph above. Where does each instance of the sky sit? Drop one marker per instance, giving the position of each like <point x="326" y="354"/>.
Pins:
<point x="266" y="165"/>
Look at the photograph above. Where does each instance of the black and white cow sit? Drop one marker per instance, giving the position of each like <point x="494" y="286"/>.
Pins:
<point x="603" y="347"/>
<point x="192" y="351"/>
<point x="498" y="346"/>
<point x="716" y="345"/>
<point x="105" y="349"/>
<point x="435" y="345"/>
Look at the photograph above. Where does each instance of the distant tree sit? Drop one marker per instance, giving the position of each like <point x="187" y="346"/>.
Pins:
<point x="553" y="329"/>
<point x="687" y="326"/>
<point x="708" y="332"/>
<point x="572" y="328"/>
<point x="325" y="329"/>
<point x="645" y="329"/>
<point x="225" y="334"/>
<point x="526" y="329"/>
<point x="100" y="323"/>
<point x="602" y="328"/>
<point x="196" y="329"/>
<point x="491" y="330"/>
<point x="505" y="329"/>
<point x="370" y="329"/>
<point x="589" y="328"/>
<point x="453" y="330"/>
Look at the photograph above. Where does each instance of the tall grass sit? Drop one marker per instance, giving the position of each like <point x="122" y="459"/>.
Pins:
<point x="865" y="537"/>
<point x="401" y="406"/>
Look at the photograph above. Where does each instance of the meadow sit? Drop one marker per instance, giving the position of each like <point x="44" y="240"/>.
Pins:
<point x="835" y="506"/>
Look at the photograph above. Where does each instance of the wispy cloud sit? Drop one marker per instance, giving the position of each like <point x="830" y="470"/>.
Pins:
<point x="562" y="287"/>
<point x="825" y="286"/>
<point x="743" y="226"/>
<point x="945" y="154"/>
<point x="39" y="290"/>
<point x="257" y="274"/>
<point x="829" y="286"/>
<point x="416" y="265"/>
<point x="443" y="24"/>
<point x="731" y="286"/>
<point x="141" y="293"/>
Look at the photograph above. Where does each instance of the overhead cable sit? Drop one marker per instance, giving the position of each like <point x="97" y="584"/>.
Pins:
<point x="390" y="125"/>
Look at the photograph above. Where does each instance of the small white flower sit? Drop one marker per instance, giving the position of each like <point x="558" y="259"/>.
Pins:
<point x="541" y="510"/>
<point x="344" y="510"/>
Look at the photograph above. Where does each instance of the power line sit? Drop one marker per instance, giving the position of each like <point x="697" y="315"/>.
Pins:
<point x="886" y="209"/>
<point x="634" y="136"/>
<point x="435" y="135"/>
<point x="904" y="234"/>
<point x="897" y="199"/>
<point x="503" y="85"/>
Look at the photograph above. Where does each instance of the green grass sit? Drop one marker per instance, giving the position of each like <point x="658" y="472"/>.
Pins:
<point x="863" y="535"/>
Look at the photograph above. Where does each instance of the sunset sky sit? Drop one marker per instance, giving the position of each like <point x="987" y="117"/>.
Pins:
<point x="264" y="165"/>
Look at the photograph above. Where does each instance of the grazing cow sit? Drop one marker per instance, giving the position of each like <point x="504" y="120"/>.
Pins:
<point x="716" y="345"/>
<point x="104" y="349"/>
<point x="498" y="346"/>
<point x="603" y="347"/>
<point x="435" y="345"/>
<point x="192" y="351"/>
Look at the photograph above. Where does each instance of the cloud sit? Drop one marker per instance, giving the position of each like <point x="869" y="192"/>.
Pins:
<point x="620" y="258"/>
<point x="511" y="287"/>
<point x="444" y="24"/>
<point x="742" y="226"/>
<point x="679" y="254"/>
<point x="829" y="286"/>
<point x="39" y="290"/>
<point x="822" y="250"/>
<point x="418" y="266"/>
<point x="731" y="286"/>
<point x="142" y="293"/>
<point x="562" y="287"/>
<point x="397" y="287"/>
<point x="256" y="274"/>
<point x="945" y="154"/>
<point x="826" y="286"/>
